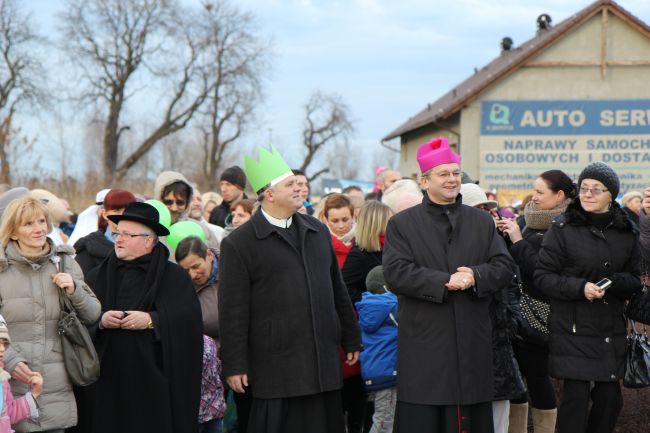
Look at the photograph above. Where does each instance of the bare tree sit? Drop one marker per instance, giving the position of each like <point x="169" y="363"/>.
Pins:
<point x="327" y="122"/>
<point x="239" y="57"/>
<point x="119" y="45"/>
<point x="342" y="162"/>
<point x="20" y="75"/>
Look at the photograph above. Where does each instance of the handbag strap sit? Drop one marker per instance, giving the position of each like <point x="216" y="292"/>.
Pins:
<point x="64" y="302"/>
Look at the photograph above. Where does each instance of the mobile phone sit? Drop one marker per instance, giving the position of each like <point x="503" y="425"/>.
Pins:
<point x="604" y="284"/>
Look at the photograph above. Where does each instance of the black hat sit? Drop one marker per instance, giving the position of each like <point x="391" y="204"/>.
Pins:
<point x="234" y="175"/>
<point x="604" y="174"/>
<point x="142" y="213"/>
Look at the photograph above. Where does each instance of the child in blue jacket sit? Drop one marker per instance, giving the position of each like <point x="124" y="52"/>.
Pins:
<point x="378" y="319"/>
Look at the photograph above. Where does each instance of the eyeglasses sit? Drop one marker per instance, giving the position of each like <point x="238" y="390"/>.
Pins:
<point x="446" y="174"/>
<point x="127" y="235"/>
<point x="170" y="202"/>
<point x="594" y="191"/>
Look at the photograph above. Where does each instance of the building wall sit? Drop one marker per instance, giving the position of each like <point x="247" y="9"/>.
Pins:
<point x="624" y="43"/>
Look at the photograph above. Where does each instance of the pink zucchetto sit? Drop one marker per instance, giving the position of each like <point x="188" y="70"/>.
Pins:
<point x="435" y="153"/>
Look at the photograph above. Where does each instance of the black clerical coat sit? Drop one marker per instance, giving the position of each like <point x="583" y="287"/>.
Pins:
<point x="150" y="379"/>
<point x="445" y="338"/>
<point x="284" y="310"/>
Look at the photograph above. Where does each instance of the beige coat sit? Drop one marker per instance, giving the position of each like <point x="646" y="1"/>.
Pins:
<point x="29" y="302"/>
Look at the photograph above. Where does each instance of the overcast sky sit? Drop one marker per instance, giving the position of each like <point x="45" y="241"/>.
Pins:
<point x="386" y="58"/>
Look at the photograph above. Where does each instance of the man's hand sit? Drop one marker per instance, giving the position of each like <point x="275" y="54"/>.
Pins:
<point x="238" y="382"/>
<point x="352" y="358"/>
<point x="135" y="321"/>
<point x="461" y="280"/>
<point x="112" y="319"/>
<point x="22" y="373"/>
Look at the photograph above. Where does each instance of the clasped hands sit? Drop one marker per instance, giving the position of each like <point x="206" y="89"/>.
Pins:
<point x="462" y="279"/>
<point x="131" y="320"/>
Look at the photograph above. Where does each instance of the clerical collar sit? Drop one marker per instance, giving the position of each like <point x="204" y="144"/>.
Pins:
<point x="283" y="223"/>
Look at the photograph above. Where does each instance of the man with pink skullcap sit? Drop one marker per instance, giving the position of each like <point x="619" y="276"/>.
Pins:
<point x="444" y="260"/>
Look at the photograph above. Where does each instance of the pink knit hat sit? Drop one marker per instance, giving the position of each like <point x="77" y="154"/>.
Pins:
<point x="435" y="153"/>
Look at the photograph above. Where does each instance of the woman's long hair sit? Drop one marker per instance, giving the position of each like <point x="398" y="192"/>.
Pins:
<point x="372" y="223"/>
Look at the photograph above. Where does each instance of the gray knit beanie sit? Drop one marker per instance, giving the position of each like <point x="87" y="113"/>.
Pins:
<point x="375" y="280"/>
<point x="604" y="174"/>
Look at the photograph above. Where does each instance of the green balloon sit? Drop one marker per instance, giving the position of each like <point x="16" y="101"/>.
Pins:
<point x="164" y="217"/>
<point x="183" y="229"/>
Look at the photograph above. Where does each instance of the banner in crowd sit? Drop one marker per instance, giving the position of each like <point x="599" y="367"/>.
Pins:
<point x="520" y="139"/>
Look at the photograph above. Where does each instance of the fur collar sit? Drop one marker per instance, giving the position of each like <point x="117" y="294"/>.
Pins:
<point x="576" y="215"/>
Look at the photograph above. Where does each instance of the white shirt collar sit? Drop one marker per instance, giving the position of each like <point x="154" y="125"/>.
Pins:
<point x="283" y="223"/>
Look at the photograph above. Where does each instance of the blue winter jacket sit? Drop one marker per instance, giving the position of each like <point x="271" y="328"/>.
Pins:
<point x="378" y="320"/>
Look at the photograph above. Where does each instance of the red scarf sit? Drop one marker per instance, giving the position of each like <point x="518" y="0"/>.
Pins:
<point x="382" y="240"/>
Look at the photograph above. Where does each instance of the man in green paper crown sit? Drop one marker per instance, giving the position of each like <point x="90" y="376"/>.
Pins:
<point x="284" y="310"/>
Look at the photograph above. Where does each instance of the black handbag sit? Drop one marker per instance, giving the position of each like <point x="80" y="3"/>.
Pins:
<point x="638" y="307"/>
<point x="79" y="354"/>
<point x="637" y="364"/>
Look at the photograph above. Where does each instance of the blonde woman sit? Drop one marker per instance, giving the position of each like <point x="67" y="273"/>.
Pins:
<point x="31" y="277"/>
<point x="367" y="252"/>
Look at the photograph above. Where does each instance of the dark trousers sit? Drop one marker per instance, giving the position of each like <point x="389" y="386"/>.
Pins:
<point x="574" y="415"/>
<point x="243" y="402"/>
<point x="533" y="364"/>
<point x="354" y="401"/>
<point x="420" y="418"/>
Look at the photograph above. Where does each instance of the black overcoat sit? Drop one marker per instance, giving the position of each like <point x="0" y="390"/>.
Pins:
<point x="587" y="339"/>
<point x="150" y="380"/>
<point x="445" y="338"/>
<point x="284" y="312"/>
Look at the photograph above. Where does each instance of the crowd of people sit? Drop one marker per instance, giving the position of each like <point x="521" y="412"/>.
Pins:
<point x="420" y="307"/>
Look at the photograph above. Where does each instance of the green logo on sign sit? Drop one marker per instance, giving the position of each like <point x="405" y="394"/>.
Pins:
<point x="500" y="114"/>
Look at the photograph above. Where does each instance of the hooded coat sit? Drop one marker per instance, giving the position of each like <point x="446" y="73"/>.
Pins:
<point x="445" y="338"/>
<point x="588" y="339"/>
<point x="30" y="305"/>
<point x="167" y="178"/>
<point x="378" y="321"/>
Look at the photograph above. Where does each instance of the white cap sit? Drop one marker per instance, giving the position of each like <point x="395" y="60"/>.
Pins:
<point x="100" y="196"/>
<point x="473" y="195"/>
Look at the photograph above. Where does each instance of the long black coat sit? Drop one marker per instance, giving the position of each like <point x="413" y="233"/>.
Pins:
<point x="150" y="379"/>
<point x="587" y="339"/>
<point x="284" y="312"/>
<point x="445" y="338"/>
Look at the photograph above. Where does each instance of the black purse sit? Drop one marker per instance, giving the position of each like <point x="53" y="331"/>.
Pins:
<point x="638" y="307"/>
<point x="637" y="365"/>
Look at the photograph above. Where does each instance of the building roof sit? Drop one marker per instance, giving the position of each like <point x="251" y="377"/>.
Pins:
<point x="508" y="62"/>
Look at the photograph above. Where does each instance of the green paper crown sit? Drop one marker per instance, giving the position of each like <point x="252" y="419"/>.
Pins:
<point x="271" y="167"/>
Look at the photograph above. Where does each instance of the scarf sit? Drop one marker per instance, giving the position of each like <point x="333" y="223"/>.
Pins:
<point x="33" y="257"/>
<point x="540" y="219"/>
<point x="155" y="265"/>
